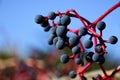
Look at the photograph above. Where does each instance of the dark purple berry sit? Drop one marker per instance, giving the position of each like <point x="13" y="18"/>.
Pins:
<point x="72" y="74"/>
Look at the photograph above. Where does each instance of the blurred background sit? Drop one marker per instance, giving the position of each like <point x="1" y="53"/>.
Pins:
<point x="23" y="42"/>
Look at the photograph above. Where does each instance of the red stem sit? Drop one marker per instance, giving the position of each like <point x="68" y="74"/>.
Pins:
<point x="93" y="33"/>
<point x="107" y="12"/>
<point x="81" y="19"/>
<point x="72" y="56"/>
<point x="114" y="72"/>
<point x="84" y="68"/>
<point x="73" y="31"/>
<point x="95" y="38"/>
<point x="103" y="70"/>
<point x="81" y="46"/>
<point x="53" y="24"/>
<point x="77" y="16"/>
<point x="100" y="33"/>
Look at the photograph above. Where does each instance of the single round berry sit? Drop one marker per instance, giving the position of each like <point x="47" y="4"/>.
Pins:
<point x="52" y="15"/>
<point x="39" y="19"/>
<point x="101" y="25"/>
<point x="89" y="56"/>
<point x="98" y="48"/>
<point x="53" y="30"/>
<point x="45" y="24"/>
<point x="83" y="31"/>
<point x="101" y="60"/>
<point x="95" y="57"/>
<point x="61" y="31"/>
<point x="65" y="20"/>
<point x="64" y="58"/>
<point x="76" y="49"/>
<point x="73" y="40"/>
<point x="113" y="39"/>
<point x="50" y="41"/>
<point x="60" y="44"/>
<point x="78" y="60"/>
<point x="46" y="29"/>
<point x="55" y="40"/>
<point x="72" y="74"/>
<point x="88" y="43"/>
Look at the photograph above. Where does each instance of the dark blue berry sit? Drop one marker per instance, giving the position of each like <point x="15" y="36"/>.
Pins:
<point x="52" y="15"/>
<point x="95" y="57"/>
<point x="78" y="60"/>
<point x="46" y="29"/>
<point x="113" y="39"/>
<point x="98" y="48"/>
<point x="45" y="24"/>
<point x="88" y="43"/>
<point x="89" y="56"/>
<point x="55" y="40"/>
<point x="72" y="74"/>
<point x="61" y="31"/>
<point x="64" y="58"/>
<point x="60" y="44"/>
<point x="39" y="19"/>
<point x="83" y="31"/>
<point x="65" y="20"/>
<point x="76" y="49"/>
<point x="50" y="40"/>
<point x="73" y="40"/>
<point x="101" y="25"/>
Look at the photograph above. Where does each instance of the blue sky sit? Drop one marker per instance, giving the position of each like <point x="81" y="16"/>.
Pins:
<point x="17" y="20"/>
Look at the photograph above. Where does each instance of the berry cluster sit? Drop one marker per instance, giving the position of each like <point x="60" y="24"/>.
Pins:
<point x="60" y="39"/>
